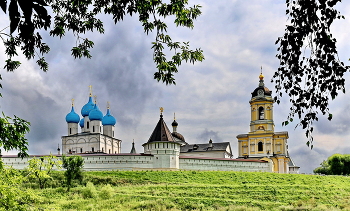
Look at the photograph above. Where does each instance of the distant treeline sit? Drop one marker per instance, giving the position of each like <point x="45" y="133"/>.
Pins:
<point x="336" y="164"/>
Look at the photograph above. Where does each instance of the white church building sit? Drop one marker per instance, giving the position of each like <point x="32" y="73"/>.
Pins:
<point x="97" y="131"/>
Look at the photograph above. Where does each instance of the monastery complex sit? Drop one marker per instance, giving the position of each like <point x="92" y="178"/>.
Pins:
<point x="261" y="149"/>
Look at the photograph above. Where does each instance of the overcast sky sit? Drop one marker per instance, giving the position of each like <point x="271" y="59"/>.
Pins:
<point x="211" y="99"/>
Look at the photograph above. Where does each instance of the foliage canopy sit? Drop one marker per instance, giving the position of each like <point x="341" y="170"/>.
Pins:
<point x="310" y="71"/>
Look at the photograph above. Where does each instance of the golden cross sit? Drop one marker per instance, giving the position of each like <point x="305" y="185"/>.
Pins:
<point x="90" y="88"/>
<point x="108" y="105"/>
<point x="161" y="110"/>
<point x="95" y="98"/>
<point x="72" y="102"/>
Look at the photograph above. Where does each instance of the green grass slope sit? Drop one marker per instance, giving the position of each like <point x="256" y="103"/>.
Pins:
<point x="200" y="190"/>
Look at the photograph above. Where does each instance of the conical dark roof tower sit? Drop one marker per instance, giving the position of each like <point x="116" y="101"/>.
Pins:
<point x="161" y="132"/>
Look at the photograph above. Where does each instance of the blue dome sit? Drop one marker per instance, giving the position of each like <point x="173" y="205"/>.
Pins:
<point x="108" y="119"/>
<point x="72" y="117"/>
<point x="85" y="110"/>
<point x="95" y="114"/>
<point x="81" y="123"/>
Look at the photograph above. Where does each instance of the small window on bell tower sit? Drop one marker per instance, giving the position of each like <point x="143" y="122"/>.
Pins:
<point x="260" y="146"/>
<point x="261" y="113"/>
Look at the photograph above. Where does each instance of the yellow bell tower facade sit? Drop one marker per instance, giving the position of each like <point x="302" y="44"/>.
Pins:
<point x="262" y="142"/>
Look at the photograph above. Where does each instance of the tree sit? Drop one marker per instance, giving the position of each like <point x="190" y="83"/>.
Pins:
<point x="12" y="137"/>
<point x="73" y="165"/>
<point x="12" y="134"/>
<point x="40" y="168"/>
<point x="310" y="71"/>
<point x="336" y="164"/>
<point x="30" y="18"/>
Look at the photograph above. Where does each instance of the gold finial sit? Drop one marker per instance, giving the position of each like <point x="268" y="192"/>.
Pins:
<point x="95" y="98"/>
<point x="72" y="102"/>
<point x="261" y="76"/>
<point x="108" y="105"/>
<point x="90" y="88"/>
<point x="161" y="110"/>
<point x="174" y="116"/>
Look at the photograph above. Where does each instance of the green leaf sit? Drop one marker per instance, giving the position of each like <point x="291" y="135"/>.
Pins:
<point x="44" y="66"/>
<point x="11" y="65"/>
<point x="330" y="116"/>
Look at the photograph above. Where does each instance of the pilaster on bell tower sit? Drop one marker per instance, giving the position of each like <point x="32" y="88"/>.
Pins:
<point x="261" y="105"/>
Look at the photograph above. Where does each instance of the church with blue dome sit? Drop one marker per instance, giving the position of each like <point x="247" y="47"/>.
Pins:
<point x="96" y="131"/>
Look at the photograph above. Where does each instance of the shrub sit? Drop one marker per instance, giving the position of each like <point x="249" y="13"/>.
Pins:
<point x="106" y="191"/>
<point x="89" y="191"/>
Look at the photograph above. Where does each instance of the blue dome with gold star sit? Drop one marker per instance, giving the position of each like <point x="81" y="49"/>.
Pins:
<point x="109" y="119"/>
<point x="95" y="114"/>
<point x="72" y="117"/>
<point x="85" y="110"/>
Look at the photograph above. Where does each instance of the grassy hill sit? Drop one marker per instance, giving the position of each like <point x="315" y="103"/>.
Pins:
<point x="199" y="190"/>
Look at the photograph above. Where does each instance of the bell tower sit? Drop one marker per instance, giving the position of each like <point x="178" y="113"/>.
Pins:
<point x="262" y="142"/>
<point x="261" y="105"/>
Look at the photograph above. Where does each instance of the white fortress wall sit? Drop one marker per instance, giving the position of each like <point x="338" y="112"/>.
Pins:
<point x="209" y="164"/>
<point x="96" y="162"/>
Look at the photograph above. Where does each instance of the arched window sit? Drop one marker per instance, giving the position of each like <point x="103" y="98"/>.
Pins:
<point x="92" y="149"/>
<point x="87" y="125"/>
<point x="93" y="129"/>
<point x="260" y="146"/>
<point x="81" y="150"/>
<point x="261" y="113"/>
<point x="70" y="130"/>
